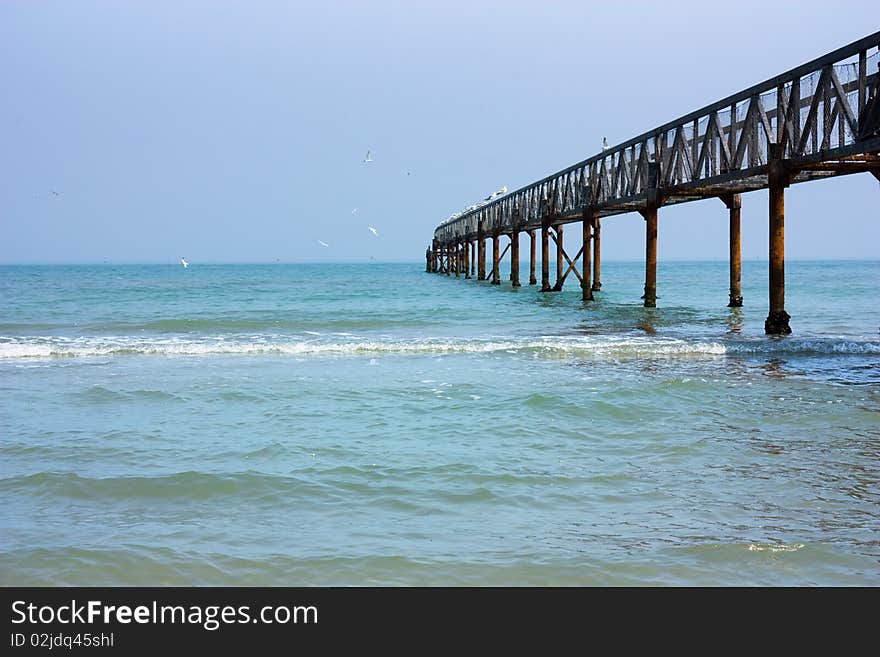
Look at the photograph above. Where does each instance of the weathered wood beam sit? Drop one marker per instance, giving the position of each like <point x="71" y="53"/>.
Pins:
<point x="504" y="252"/>
<point x="777" y="319"/>
<point x="586" y="248"/>
<point x="514" y="258"/>
<point x="496" y="280"/>
<point x="843" y="167"/>
<point x="571" y="267"/>
<point x="532" y="257"/>
<point x="650" y="216"/>
<point x="597" y="253"/>
<point x="481" y="256"/>
<point x="734" y="205"/>
<point x="545" y="256"/>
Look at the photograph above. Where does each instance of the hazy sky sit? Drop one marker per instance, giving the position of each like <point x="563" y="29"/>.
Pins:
<point x="235" y="131"/>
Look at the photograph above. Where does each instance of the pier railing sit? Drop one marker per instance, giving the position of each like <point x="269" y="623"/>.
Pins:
<point x="824" y="117"/>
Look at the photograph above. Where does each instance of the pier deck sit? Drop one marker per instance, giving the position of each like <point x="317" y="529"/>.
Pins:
<point x="818" y="120"/>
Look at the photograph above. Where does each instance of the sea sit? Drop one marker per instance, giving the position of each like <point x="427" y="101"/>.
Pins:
<point x="375" y="425"/>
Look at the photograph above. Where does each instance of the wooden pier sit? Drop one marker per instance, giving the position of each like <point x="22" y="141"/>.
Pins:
<point x="819" y="120"/>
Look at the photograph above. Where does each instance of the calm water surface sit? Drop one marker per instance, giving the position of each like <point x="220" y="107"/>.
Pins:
<point x="373" y="424"/>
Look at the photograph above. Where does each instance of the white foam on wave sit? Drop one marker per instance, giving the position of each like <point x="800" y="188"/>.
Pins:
<point x="25" y="350"/>
<point x="819" y="346"/>
<point x="542" y="346"/>
<point x="775" y="547"/>
<point x="57" y="347"/>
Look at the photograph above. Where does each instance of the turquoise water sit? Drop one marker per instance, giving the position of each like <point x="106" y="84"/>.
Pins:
<point x="373" y="424"/>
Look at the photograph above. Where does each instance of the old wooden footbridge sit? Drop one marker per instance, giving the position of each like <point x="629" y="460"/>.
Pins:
<point x="818" y="120"/>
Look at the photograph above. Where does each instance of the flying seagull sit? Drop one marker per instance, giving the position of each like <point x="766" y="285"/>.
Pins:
<point x="369" y="157"/>
<point x="184" y="263"/>
<point x="354" y="211"/>
<point x="501" y="192"/>
<point x="374" y="231"/>
<point x="324" y="244"/>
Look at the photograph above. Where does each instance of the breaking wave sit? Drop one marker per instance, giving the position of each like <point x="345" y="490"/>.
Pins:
<point x="549" y="346"/>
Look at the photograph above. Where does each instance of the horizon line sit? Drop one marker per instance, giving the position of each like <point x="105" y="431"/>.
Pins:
<point x="386" y="262"/>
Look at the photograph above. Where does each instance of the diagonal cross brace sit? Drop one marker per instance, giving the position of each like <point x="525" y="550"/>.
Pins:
<point x="571" y="266"/>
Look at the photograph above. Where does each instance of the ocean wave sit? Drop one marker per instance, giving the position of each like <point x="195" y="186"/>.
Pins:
<point x="56" y="347"/>
<point x="189" y="485"/>
<point x="546" y="346"/>
<point x="774" y="547"/>
<point x="805" y="346"/>
<point x="207" y="325"/>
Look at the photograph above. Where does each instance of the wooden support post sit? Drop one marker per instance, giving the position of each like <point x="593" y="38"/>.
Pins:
<point x="777" y="319"/>
<point x="862" y="73"/>
<point x="545" y="256"/>
<point x="473" y="258"/>
<point x="597" y="232"/>
<point x="496" y="280"/>
<point x="481" y="254"/>
<point x="557" y="287"/>
<point x="456" y="257"/>
<point x="734" y="204"/>
<point x="428" y="260"/>
<point x="514" y="258"/>
<point x="650" y="215"/>
<point x="586" y="287"/>
<point x="466" y="252"/>
<point x="532" y="254"/>
<point x="448" y="259"/>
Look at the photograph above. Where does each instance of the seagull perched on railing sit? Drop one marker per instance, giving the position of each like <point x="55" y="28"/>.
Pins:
<point x="605" y="145"/>
<point x="493" y="195"/>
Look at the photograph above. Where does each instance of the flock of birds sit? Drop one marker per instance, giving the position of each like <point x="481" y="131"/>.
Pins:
<point x="488" y="199"/>
<point x="375" y="231"/>
<point x="369" y="158"/>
